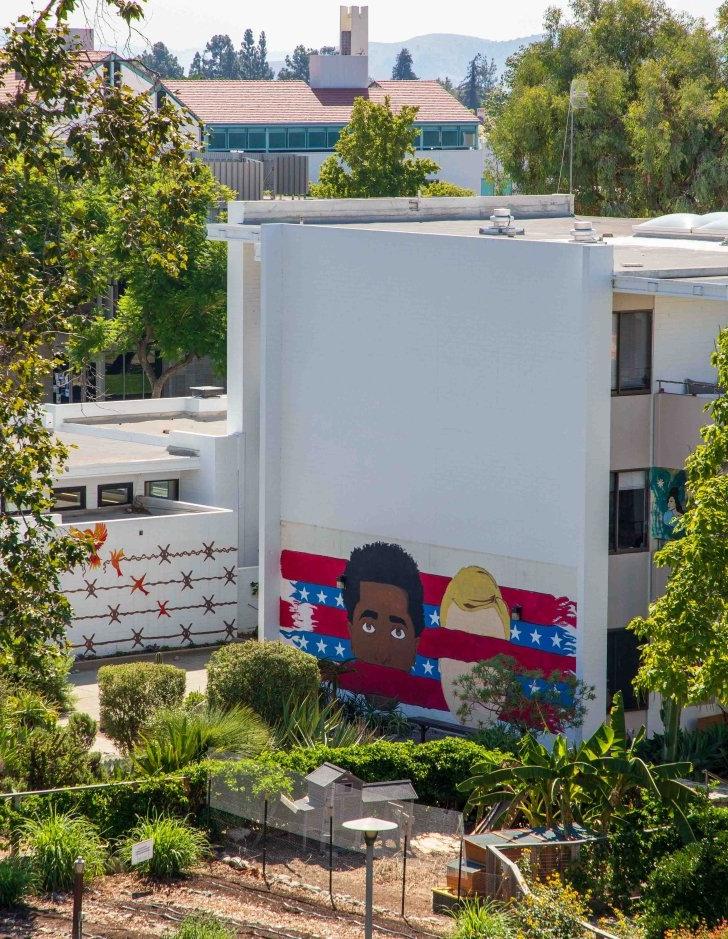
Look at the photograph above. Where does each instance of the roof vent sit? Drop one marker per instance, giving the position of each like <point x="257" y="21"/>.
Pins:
<point x="501" y="223"/>
<point x="584" y="232"/>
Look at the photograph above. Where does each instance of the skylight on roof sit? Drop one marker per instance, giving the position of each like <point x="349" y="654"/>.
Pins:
<point x="712" y="226"/>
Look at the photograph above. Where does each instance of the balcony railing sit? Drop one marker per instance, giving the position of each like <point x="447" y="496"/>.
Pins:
<point x="687" y="386"/>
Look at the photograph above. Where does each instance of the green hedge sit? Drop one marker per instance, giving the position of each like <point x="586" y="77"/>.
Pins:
<point x="262" y="676"/>
<point x="435" y="767"/>
<point x="129" y="695"/>
<point x="687" y="888"/>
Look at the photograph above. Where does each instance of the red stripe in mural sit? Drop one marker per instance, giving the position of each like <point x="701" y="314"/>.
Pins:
<point x="392" y="683"/>
<point x="541" y="608"/>
<point x="433" y="643"/>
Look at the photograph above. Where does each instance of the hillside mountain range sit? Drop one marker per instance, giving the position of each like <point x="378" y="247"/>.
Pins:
<point x="435" y="55"/>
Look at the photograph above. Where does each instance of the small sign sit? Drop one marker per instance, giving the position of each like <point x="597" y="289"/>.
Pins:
<point x="142" y="851"/>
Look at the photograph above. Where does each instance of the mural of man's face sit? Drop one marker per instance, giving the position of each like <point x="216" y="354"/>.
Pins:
<point x="382" y="631"/>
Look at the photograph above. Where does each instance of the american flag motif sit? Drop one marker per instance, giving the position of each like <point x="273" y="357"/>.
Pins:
<point x="313" y="618"/>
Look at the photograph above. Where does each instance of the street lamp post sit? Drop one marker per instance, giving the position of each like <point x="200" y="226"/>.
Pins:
<point x="370" y="828"/>
<point x="79" y="866"/>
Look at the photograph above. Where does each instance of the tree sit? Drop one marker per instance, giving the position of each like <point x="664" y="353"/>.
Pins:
<point x="685" y="633"/>
<point x="296" y="66"/>
<point x="170" y="317"/>
<point x="374" y="155"/>
<point x="402" y="70"/>
<point x="651" y="137"/>
<point x="253" y="58"/>
<point x="447" y="84"/>
<point x="160" y="60"/>
<point x="219" y="60"/>
<point x="51" y="265"/>
<point x="478" y="81"/>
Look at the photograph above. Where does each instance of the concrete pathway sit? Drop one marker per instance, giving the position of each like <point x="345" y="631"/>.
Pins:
<point x="84" y="679"/>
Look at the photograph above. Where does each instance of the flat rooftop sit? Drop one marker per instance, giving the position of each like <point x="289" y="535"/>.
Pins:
<point x="110" y="513"/>
<point x="90" y="453"/>
<point x="159" y="425"/>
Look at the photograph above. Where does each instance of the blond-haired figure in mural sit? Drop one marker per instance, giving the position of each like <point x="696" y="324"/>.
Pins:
<point x="473" y="604"/>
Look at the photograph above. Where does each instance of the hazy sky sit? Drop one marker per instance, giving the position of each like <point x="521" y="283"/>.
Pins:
<point x="183" y="24"/>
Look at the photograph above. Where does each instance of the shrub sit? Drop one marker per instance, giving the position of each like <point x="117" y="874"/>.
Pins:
<point x="477" y="920"/>
<point x="440" y="187"/>
<point x="130" y="694"/>
<point x="551" y="910"/>
<point x="257" y="674"/>
<point x="83" y="727"/>
<point x="55" y="841"/>
<point x="703" y="932"/>
<point x="51" y="758"/>
<point x="435" y="767"/>
<point x="16" y="880"/>
<point x="687" y="888"/>
<point x="203" y="926"/>
<point x="180" y="737"/>
<point x="195" y="701"/>
<point x="177" y="845"/>
<point x="308" y="722"/>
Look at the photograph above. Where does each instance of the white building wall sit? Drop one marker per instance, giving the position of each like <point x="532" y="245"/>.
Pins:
<point x="462" y="167"/>
<point x="165" y="581"/>
<point x="432" y="395"/>
<point x="684" y="335"/>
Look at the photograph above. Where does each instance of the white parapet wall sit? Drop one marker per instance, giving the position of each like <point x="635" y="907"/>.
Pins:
<point x="166" y="580"/>
<point x="335" y="211"/>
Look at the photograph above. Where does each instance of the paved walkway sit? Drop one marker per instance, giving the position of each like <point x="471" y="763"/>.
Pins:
<point x="84" y="679"/>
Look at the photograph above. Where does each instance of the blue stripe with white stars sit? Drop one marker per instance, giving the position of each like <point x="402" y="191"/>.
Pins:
<point x="558" y="640"/>
<point x="334" y="647"/>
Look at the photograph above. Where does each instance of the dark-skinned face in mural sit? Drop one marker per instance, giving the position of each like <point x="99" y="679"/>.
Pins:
<point x="382" y="631"/>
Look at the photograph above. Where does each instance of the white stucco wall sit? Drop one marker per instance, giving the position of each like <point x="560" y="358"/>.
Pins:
<point x="447" y="393"/>
<point x="188" y="565"/>
<point x="462" y="167"/>
<point x="684" y="334"/>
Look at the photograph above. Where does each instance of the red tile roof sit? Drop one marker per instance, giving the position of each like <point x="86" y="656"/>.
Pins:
<point x="87" y="59"/>
<point x="294" y="102"/>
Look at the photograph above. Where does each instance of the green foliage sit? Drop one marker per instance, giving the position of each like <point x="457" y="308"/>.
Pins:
<point x="652" y="135"/>
<point x="219" y="60"/>
<point x="179" y="737"/>
<point x="160" y="60"/>
<point x="307" y="722"/>
<point x="254" y="674"/>
<point x="403" y="70"/>
<point x="130" y="695"/>
<point x="374" y="155"/>
<point x="706" y="749"/>
<point x="253" y="58"/>
<point x="590" y="783"/>
<point x="203" y="926"/>
<point x="685" y="633"/>
<point x="434" y="767"/>
<point x="16" y="881"/>
<point x="61" y="130"/>
<point x="496" y="685"/>
<point x="178" y="847"/>
<point x="551" y="910"/>
<point x="84" y="728"/>
<point x="476" y="920"/>
<point x="498" y="736"/>
<point x="52" y="758"/>
<point x="55" y="840"/>
<point x="479" y="80"/>
<point x="439" y="187"/>
<point x="687" y="888"/>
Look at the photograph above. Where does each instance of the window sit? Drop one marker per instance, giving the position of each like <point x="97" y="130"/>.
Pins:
<point x="623" y="659"/>
<point x="161" y="97"/>
<point x="115" y="494"/>
<point x="162" y="488"/>
<point x="256" y="139"/>
<point x="237" y="139"/>
<point x="431" y="138"/>
<point x="631" y="352"/>
<point x="277" y="139"/>
<point x="297" y="138"/>
<point x="217" y="140"/>
<point x="67" y="498"/>
<point x="332" y="136"/>
<point x="317" y="139"/>
<point x="469" y="137"/>
<point x="628" y="511"/>
<point x="450" y="137"/>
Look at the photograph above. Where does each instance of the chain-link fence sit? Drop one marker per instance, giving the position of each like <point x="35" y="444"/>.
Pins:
<point x="291" y="828"/>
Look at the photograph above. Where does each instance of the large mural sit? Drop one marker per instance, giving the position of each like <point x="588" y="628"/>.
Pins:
<point x="412" y="635"/>
<point x="667" y="492"/>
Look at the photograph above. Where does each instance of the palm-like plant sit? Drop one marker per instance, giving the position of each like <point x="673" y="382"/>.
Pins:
<point x="178" y="737"/>
<point x="588" y="784"/>
<point x="306" y="722"/>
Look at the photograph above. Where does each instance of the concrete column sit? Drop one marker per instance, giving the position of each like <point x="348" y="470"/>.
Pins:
<point x="235" y="318"/>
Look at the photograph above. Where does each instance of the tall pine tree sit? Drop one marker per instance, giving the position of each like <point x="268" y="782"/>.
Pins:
<point x="402" y="70"/>
<point x="160" y="60"/>
<point x="219" y="60"/>
<point x="253" y="58"/>
<point x="296" y="67"/>
<point x="479" y="80"/>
